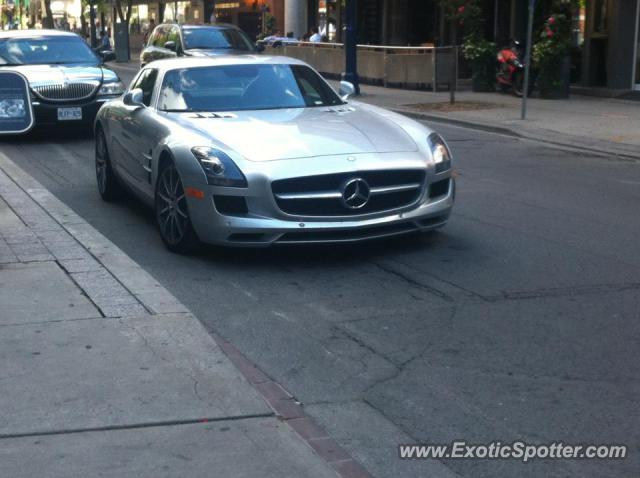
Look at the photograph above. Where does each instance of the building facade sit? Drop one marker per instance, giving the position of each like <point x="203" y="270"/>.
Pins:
<point x="607" y="32"/>
<point x="611" y="52"/>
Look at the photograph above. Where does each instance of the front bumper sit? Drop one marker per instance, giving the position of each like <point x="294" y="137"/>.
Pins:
<point x="265" y="224"/>
<point x="46" y="113"/>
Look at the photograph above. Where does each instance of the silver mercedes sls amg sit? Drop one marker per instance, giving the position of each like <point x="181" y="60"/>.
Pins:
<point x="259" y="150"/>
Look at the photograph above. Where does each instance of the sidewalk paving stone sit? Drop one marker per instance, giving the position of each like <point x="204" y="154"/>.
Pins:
<point x="260" y="447"/>
<point x="85" y="374"/>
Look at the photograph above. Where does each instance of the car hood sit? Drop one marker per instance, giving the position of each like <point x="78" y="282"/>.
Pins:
<point x="48" y="74"/>
<point x="300" y="132"/>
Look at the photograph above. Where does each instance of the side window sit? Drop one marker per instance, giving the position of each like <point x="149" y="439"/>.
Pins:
<point x="146" y="81"/>
<point x="313" y="88"/>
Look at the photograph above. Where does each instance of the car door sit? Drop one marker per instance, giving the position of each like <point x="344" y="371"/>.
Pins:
<point x="137" y="133"/>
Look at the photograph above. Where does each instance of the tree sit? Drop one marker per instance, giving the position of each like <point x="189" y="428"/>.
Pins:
<point x="47" y="21"/>
<point x="125" y="16"/>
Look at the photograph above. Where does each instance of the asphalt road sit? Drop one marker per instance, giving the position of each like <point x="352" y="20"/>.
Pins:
<point x="518" y="321"/>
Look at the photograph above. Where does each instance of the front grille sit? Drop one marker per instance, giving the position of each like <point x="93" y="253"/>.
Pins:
<point x="67" y="91"/>
<point x="322" y="195"/>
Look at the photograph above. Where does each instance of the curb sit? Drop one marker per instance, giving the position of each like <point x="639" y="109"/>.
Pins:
<point x="97" y="265"/>
<point x="470" y="124"/>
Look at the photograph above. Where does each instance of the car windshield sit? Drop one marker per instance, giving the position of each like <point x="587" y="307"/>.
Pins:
<point x="216" y="38"/>
<point x="45" y="50"/>
<point x="244" y="87"/>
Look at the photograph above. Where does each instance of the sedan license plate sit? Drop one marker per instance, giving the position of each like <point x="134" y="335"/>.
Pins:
<point x="69" y="114"/>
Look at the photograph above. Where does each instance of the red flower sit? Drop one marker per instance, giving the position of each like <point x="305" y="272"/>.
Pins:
<point x="461" y="9"/>
<point x="549" y="33"/>
<point x="551" y="20"/>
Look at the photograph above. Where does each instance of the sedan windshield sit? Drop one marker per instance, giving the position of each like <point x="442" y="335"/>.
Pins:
<point x="216" y="39"/>
<point x="45" y="50"/>
<point x="244" y="87"/>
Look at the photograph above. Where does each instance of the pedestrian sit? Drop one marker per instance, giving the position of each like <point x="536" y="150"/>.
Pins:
<point x="152" y="26"/>
<point x="105" y="41"/>
<point x="315" y="35"/>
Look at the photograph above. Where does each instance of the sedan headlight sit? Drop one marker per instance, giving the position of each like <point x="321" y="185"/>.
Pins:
<point x="440" y="152"/>
<point x="114" y="88"/>
<point x="219" y="167"/>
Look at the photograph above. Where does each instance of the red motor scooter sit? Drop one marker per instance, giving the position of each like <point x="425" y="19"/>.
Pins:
<point x="511" y="70"/>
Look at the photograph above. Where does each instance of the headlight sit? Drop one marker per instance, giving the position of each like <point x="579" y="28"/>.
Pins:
<point x="219" y="167"/>
<point x="114" y="88"/>
<point x="440" y="152"/>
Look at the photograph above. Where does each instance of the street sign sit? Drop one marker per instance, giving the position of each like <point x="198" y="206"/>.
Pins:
<point x="16" y="112"/>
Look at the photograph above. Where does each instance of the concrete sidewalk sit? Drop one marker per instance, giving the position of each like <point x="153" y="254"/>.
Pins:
<point x="105" y="373"/>
<point x="603" y="125"/>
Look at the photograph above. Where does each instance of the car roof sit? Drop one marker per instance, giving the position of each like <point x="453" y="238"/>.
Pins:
<point x="222" y="60"/>
<point x="33" y="33"/>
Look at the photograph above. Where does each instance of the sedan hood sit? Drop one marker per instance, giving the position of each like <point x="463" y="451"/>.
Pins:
<point x="300" y="132"/>
<point x="204" y="52"/>
<point x="48" y="74"/>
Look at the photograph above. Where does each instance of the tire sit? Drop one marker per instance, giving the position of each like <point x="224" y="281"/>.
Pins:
<point x="518" y="86"/>
<point x="108" y="185"/>
<point x="504" y="88"/>
<point x="172" y="213"/>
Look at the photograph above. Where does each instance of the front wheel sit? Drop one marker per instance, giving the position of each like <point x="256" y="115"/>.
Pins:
<point x="108" y="185"/>
<point x="518" y="84"/>
<point x="172" y="213"/>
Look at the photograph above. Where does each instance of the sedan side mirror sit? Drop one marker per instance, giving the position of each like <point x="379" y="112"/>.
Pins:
<point x="170" y="45"/>
<point x="346" y="90"/>
<point x="107" y="55"/>
<point x="134" y="97"/>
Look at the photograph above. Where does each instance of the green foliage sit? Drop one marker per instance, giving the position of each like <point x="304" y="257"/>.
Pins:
<point x="470" y="17"/>
<point x="551" y="50"/>
<point x="466" y="14"/>
<point x="478" y="49"/>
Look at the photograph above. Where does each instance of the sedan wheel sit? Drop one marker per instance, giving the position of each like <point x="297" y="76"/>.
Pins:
<point x="172" y="214"/>
<point x="108" y="185"/>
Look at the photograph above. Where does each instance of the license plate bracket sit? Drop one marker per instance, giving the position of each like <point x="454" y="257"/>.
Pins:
<point x="69" y="114"/>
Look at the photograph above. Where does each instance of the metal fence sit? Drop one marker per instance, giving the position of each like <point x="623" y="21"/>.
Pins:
<point x="407" y="67"/>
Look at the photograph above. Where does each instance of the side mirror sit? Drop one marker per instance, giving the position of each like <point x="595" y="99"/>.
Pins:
<point x="107" y="55"/>
<point x="134" y="97"/>
<point x="346" y="90"/>
<point x="170" y="45"/>
<point x="259" y="47"/>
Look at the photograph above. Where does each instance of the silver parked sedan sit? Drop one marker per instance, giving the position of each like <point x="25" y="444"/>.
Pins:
<point x="256" y="150"/>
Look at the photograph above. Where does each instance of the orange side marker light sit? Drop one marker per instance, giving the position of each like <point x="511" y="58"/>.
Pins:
<point x="194" y="193"/>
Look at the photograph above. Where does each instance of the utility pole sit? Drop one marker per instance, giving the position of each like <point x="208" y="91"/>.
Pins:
<point x="92" y="24"/>
<point x="527" y="60"/>
<point x="351" y="45"/>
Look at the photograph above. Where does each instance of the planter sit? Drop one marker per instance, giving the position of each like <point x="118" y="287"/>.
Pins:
<point x="483" y="74"/>
<point x="553" y="84"/>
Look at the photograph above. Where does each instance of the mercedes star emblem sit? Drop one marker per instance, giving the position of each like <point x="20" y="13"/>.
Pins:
<point x="355" y="193"/>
